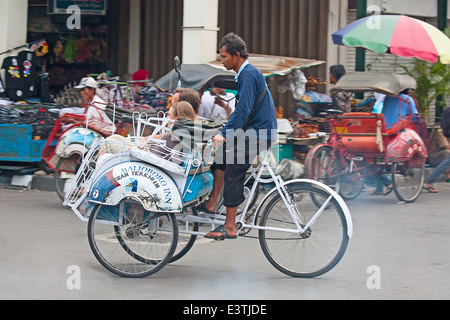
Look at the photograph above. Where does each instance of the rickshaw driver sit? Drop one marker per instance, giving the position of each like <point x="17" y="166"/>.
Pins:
<point x="394" y="108"/>
<point x="97" y="107"/>
<point x="255" y="110"/>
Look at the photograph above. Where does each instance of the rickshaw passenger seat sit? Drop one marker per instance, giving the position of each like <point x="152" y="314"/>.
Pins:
<point x="362" y="132"/>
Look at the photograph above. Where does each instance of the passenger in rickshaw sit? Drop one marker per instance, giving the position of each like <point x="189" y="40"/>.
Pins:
<point x="188" y="95"/>
<point x="177" y="111"/>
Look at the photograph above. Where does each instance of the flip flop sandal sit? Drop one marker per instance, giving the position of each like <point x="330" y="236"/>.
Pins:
<point x="430" y="188"/>
<point x="202" y="208"/>
<point x="389" y="189"/>
<point x="223" y="231"/>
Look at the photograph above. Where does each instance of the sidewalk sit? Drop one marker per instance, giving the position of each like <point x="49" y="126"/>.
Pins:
<point x="45" y="182"/>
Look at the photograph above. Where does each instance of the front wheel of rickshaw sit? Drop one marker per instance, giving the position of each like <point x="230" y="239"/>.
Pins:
<point x="131" y="242"/>
<point x="408" y="178"/>
<point x="64" y="165"/>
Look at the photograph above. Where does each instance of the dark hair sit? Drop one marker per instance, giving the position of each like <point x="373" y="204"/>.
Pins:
<point x="191" y="96"/>
<point x="234" y="44"/>
<point x="337" y="71"/>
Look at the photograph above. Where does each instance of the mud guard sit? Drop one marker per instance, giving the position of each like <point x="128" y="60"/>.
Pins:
<point x="404" y="145"/>
<point x="341" y="202"/>
<point x="76" y="140"/>
<point x="309" y="159"/>
<point x="149" y="185"/>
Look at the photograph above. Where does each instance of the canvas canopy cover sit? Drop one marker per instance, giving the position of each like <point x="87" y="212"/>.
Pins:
<point x="388" y="83"/>
<point x="202" y="76"/>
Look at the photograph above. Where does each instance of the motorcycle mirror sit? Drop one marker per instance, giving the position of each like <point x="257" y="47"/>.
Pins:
<point x="177" y="67"/>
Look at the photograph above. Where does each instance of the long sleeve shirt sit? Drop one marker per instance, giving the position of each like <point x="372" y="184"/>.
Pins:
<point x="250" y="85"/>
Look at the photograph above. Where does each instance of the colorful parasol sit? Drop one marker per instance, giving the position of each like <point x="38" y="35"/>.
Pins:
<point x="398" y="35"/>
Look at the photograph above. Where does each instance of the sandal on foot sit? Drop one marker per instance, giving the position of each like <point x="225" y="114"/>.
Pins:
<point x="430" y="188"/>
<point x="389" y="189"/>
<point x="202" y="208"/>
<point x="223" y="231"/>
<point x="376" y="193"/>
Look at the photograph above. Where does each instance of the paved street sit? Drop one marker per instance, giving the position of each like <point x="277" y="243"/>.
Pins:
<point x="406" y="245"/>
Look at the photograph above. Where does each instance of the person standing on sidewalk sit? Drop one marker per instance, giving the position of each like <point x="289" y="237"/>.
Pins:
<point x="444" y="166"/>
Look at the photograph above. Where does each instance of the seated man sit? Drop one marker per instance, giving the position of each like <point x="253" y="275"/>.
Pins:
<point x="394" y="109"/>
<point x="440" y="150"/>
<point x="217" y="103"/>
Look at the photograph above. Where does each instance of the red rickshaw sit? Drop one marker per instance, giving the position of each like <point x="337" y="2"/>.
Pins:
<point x="362" y="145"/>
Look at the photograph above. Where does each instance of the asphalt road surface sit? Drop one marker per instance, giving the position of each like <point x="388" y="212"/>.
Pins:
<point x="398" y="251"/>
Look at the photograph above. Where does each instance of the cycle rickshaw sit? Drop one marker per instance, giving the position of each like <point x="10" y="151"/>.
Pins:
<point x="140" y="200"/>
<point x="362" y="145"/>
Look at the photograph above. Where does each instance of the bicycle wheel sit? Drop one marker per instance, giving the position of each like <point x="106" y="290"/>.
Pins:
<point x="313" y="252"/>
<point x="351" y="183"/>
<point x="324" y="167"/>
<point x="131" y="242"/>
<point x="186" y="241"/>
<point x="408" y="178"/>
<point x="65" y="164"/>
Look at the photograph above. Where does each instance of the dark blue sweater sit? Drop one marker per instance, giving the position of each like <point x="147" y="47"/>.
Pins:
<point x="250" y="85"/>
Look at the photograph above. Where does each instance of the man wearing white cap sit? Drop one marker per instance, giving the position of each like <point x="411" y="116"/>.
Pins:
<point x="97" y="106"/>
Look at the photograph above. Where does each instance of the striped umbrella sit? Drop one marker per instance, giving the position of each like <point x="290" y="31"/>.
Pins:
<point x="398" y="35"/>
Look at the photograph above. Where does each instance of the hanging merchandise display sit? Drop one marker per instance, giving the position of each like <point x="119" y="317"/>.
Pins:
<point x="20" y="75"/>
<point x="13" y="78"/>
<point x="27" y="61"/>
<point x="2" y="89"/>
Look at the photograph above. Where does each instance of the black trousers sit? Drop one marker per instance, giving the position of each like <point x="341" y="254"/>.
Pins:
<point x="235" y="160"/>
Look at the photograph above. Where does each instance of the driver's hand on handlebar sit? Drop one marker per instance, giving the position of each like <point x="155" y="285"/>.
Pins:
<point x="218" y="140"/>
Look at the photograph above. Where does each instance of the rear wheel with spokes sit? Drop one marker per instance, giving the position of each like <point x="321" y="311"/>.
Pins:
<point x="325" y="168"/>
<point x="351" y="182"/>
<point x="132" y="242"/>
<point x="186" y="240"/>
<point x="408" y="178"/>
<point x="315" y="251"/>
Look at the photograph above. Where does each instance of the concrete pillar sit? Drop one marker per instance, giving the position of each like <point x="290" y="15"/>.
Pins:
<point x="13" y="24"/>
<point x="337" y="19"/>
<point x="200" y="31"/>
<point x="134" y="42"/>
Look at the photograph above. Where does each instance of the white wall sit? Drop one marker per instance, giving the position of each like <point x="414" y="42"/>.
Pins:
<point x="13" y="23"/>
<point x="419" y="8"/>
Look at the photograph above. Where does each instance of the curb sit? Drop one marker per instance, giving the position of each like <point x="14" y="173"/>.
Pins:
<point x="32" y="182"/>
<point x="46" y="182"/>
